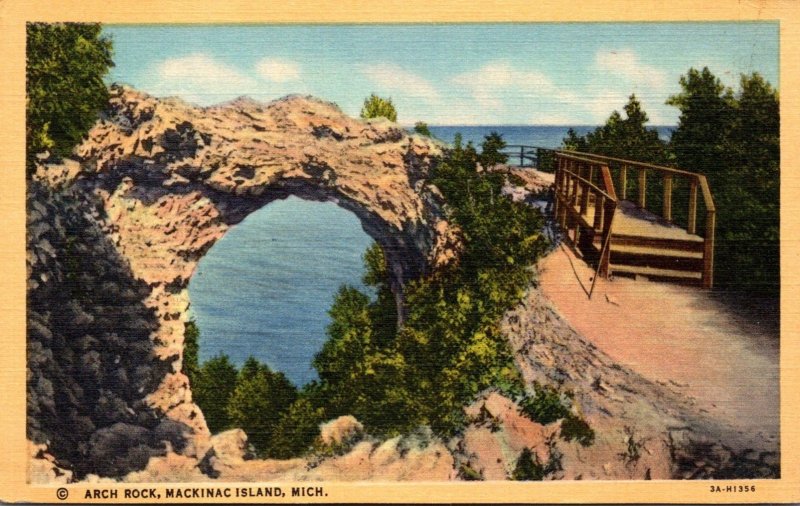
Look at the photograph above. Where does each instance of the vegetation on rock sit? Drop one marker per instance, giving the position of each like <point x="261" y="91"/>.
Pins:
<point x="66" y="64"/>
<point x="378" y="107"/>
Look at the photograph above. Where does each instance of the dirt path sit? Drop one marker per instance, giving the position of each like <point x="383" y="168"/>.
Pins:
<point x="675" y="335"/>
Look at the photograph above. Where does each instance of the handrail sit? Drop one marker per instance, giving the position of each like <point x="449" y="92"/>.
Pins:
<point x="571" y="184"/>
<point x="593" y="186"/>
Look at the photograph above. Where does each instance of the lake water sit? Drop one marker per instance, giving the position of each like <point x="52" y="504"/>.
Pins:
<point x="265" y="288"/>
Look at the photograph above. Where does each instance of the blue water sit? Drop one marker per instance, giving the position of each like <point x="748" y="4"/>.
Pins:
<point x="265" y="288"/>
<point x="543" y="136"/>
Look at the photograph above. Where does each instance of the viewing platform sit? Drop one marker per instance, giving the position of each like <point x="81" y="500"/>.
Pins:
<point x="655" y="235"/>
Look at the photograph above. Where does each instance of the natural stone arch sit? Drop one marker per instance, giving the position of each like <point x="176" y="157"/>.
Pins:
<point x="173" y="178"/>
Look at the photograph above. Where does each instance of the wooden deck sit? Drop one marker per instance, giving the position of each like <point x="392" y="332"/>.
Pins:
<point x="625" y="237"/>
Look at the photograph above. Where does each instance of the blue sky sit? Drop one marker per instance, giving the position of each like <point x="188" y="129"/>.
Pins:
<point x="559" y="73"/>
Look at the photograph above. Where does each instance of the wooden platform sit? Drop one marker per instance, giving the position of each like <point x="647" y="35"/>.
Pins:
<point x="624" y="237"/>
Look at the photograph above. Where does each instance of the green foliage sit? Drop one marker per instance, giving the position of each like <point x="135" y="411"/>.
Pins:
<point x="213" y="388"/>
<point x="491" y="151"/>
<point x="467" y="473"/>
<point x="422" y="128"/>
<point x="546" y="405"/>
<point x="377" y="107"/>
<point x="66" y="64"/>
<point x="620" y="137"/>
<point x="574" y="428"/>
<point x="259" y="398"/>
<point x="734" y="139"/>
<point x="450" y="347"/>
<point x="528" y="467"/>
<point x="191" y="347"/>
<point x="296" y="430"/>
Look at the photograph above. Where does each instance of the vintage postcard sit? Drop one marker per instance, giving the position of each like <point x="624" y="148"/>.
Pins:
<point x="371" y="252"/>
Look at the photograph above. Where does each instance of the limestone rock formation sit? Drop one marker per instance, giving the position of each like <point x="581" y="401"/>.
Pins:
<point x="156" y="184"/>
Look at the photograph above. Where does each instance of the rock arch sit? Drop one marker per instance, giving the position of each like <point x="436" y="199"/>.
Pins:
<point x="172" y="179"/>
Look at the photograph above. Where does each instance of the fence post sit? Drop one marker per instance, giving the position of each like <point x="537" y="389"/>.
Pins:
<point x="691" y="226"/>
<point x="708" y="251"/>
<point x="623" y="182"/>
<point x="667" y="207"/>
<point x="642" y="188"/>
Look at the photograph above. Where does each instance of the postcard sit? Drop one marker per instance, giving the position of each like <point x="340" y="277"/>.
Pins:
<point x="371" y="252"/>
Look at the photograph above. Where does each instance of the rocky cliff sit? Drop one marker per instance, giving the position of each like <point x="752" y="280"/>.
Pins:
<point x="155" y="185"/>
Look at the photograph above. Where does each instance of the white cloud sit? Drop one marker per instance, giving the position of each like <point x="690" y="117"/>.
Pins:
<point x="201" y="78"/>
<point x="278" y="71"/>
<point x="498" y="86"/>
<point x="393" y="78"/>
<point x="626" y="63"/>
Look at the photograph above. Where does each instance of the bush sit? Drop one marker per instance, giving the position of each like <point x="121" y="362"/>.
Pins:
<point x="491" y="151"/>
<point x="574" y="428"/>
<point x="377" y="107"/>
<point x="66" y="64"/>
<point x="528" y="467"/>
<point x="422" y="128"/>
<point x="546" y="406"/>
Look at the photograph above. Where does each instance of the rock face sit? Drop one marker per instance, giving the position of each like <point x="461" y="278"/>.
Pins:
<point x="157" y="184"/>
<point x="89" y="349"/>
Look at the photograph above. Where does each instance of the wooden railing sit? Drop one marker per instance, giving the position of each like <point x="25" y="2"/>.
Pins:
<point x="581" y="176"/>
<point x="530" y="156"/>
<point x="575" y="187"/>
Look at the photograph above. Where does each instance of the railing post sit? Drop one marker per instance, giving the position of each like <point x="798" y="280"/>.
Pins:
<point x="623" y="182"/>
<point x="584" y="199"/>
<point x="599" y="203"/>
<point x="522" y="156"/>
<point x="609" y="209"/>
<point x="667" y="207"/>
<point x="708" y="251"/>
<point x="642" y="188"/>
<point x="691" y="225"/>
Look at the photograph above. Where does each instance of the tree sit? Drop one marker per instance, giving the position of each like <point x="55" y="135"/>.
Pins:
<point x="191" y="347"/>
<point x="377" y="107"/>
<point x="619" y="137"/>
<point x="707" y="109"/>
<point x="734" y="139"/>
<point x="212" y="389"/>
<point x="491" y="151"/>
<point x="258" y="401"/>
<point x="422" y="128"/>
<point x="296" y="430"/>
<point x="66" y="64"/>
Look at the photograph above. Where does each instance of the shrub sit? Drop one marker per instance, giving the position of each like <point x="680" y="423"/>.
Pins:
<point x="574" y="428"/>
<point x="377" y="107"/>
<point x="422" y="128"/>
<point x="546" y="405"/>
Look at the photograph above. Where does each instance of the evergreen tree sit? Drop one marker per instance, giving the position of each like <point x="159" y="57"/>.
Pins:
<point x="212" y="390"/>
<point x="707" y="109"/>
<point x="66" y="65"/>
<point x="734" y="139"/>
<point x="258" y="400"/>
<point x="491" y="151"/>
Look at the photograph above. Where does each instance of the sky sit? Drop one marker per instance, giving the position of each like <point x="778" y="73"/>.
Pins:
<point x="446" y="74"/>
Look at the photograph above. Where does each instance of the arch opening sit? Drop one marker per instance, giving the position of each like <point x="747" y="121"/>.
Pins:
<point x="266" y="287"/>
